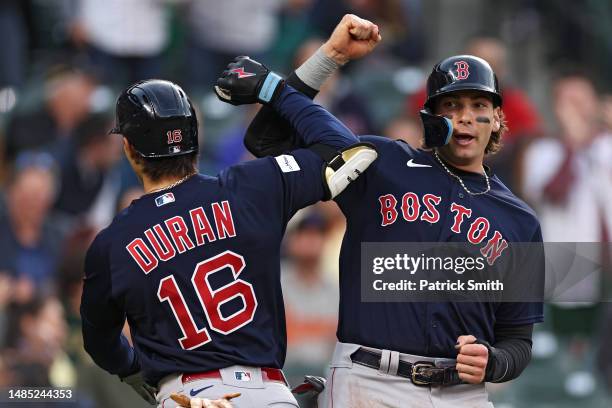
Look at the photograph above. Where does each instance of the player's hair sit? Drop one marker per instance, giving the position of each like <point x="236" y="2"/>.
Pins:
<point x="167" y="167"/>
<point x="495" y="142"/>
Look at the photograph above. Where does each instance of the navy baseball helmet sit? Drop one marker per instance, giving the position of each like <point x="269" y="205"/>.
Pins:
<point x="459" y="73"/>
<point x="157" y="118"/>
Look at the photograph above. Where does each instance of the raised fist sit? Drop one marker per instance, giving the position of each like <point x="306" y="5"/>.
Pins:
<point x="247" y="81"/>
<point x="352" y="38"/>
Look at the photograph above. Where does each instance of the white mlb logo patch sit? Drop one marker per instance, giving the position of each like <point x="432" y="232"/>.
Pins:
<point x="242" y="375"/>
<point x="164" y="199"/>
<point x="287" y="163"/>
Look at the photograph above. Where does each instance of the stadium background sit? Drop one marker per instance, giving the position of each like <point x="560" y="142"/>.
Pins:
<point x="62" y="178"/>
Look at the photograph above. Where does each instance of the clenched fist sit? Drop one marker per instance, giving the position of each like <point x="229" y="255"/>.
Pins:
<point x="352" y="38"/>
<point x="471" y="360"/>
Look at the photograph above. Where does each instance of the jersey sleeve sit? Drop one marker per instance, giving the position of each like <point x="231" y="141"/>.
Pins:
<point x="102" y="319"/>
<point x="312" y="123"/>
<point x="271" y="135"/>
<point x="284" y="183"/>
<point x="522" y="313"/>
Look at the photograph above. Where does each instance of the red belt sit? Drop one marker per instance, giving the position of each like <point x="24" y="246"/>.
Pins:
<point x="267" y="374"/>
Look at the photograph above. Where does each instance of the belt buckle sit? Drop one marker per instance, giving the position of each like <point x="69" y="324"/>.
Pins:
<point x="416" y="367"/>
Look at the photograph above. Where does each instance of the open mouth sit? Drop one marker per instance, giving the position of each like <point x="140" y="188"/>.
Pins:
<point x="463" y="139"/>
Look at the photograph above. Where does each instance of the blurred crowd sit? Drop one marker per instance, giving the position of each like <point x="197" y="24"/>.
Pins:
<point x="63" y="178"/>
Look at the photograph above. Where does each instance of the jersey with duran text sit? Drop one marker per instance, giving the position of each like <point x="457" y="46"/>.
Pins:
<point x="196" y="271"/>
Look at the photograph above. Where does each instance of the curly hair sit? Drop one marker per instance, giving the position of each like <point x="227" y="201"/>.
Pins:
<point x="495" y="142"/>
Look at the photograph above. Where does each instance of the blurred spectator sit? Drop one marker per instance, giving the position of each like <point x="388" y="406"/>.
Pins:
<point x="294" y="29"/>
<point x="30" y="240"/>
<point x="580" y="31"/>
<point x="67" y="95"/>
<point x="230" y="149"/>
<point x="336" y="226"/>
<point x="35" y="340"/>
<point x="569" y="178"/>
<point x="90" y="182"/>
<point x="14" y="52"/>
<point x="521" y="115"/>
<point x="92" y="382"/>
<point x="406" y="128"/>
<point x="222" y="30"/>
<point x="311" y="299"/>
<point x="123" y="39"/>
<point x="606" y="106"/>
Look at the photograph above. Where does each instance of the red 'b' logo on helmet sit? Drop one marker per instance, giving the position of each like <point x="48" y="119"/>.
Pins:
<point x="463" y="69"/>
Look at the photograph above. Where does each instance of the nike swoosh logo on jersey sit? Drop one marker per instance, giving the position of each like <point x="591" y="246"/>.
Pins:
<point x="193" y="393"/>
<point x="411" y="163"/>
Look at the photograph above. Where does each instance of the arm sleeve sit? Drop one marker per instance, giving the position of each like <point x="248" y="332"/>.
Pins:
<point x="102" y="319"/>
<point x="269" y="134"/>
<point x="510" y="353"/>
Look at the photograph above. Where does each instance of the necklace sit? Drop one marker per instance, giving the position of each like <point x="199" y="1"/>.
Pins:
<point x="461" y="181"/>
<point x="176" y="183"/>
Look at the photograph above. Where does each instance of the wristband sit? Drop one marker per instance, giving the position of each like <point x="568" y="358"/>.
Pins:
<point x="269" y="87"/>
<point x="315" y="71"/>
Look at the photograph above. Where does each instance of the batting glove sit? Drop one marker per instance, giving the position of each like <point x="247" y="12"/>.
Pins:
<point x="141" y="387"/>
<point x="247" y="81"/>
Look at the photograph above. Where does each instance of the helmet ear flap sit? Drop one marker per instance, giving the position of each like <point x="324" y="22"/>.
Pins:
<point x="437" y="130"/>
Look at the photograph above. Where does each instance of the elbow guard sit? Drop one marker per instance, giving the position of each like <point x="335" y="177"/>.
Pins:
<point x="344" y="166"/>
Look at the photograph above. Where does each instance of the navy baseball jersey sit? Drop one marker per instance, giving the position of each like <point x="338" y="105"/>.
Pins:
<point x="195" y="268"/>
<point x="407" y="196"/>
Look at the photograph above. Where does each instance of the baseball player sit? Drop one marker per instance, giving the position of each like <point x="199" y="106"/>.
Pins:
<point x="193" y="265"/>
<point x="425" y="354"/>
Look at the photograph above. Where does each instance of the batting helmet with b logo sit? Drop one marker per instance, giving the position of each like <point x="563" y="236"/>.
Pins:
<point x="459" y="73"/>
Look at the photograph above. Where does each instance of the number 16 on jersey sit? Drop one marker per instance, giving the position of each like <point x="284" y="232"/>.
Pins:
<point x="210" y="300"/>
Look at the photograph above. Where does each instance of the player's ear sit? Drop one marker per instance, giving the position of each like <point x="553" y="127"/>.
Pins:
<point x="126" y="146"/>
<point x="128" y="149"/>
<point x="496" y="119"/>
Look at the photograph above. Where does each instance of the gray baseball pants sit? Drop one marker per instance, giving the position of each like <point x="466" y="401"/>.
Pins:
<point x="255" y="392"/>
<point x="351" y="385"/>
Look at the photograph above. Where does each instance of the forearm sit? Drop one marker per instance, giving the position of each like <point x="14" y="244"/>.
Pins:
<point x="510" y="354"/>
<point x="270" y="134"/>
<point x="312" y="123"/>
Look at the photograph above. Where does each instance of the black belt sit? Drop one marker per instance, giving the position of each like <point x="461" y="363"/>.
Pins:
<point x="420" y="373"/>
